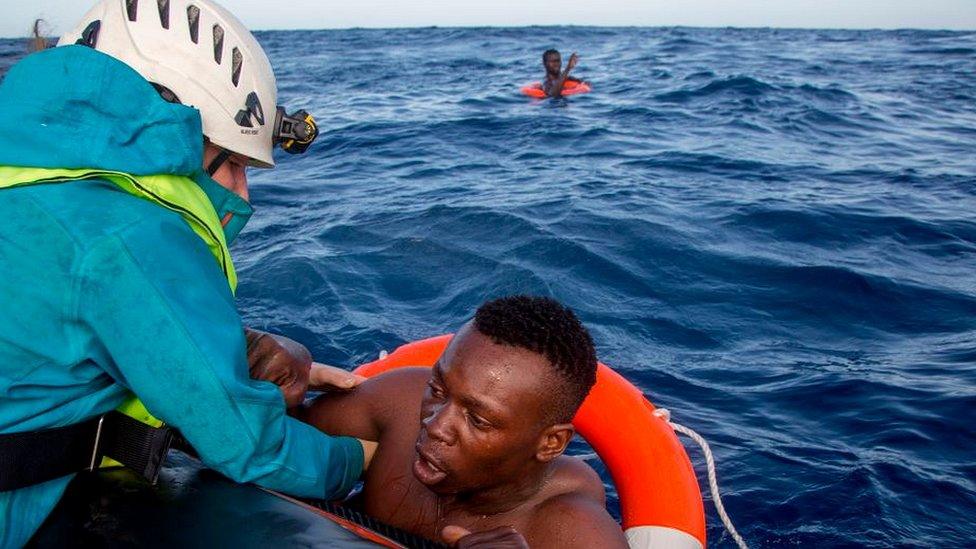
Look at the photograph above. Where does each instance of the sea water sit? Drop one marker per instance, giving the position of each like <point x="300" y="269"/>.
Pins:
<point x="771" y="232"/>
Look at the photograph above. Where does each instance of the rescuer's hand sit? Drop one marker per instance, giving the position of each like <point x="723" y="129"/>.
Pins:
<point x="280" y="360"/>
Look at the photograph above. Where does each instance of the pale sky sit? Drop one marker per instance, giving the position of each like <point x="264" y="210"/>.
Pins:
<point x="16" y="16"/>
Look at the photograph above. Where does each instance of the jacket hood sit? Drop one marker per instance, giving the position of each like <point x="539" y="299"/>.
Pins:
<point x="75" y="107"/>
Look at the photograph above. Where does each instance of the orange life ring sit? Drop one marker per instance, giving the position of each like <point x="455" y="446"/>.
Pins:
<point x="571" y="87"/>
<point x="660" y="502"/>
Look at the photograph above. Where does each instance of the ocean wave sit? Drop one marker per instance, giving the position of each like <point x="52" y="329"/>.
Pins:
<point x="768" y="231"/>
<point x="944" y="51"/>
<point x="737" y="86"/>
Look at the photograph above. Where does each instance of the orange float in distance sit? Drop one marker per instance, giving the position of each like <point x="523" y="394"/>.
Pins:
<point x="571" y="87"/>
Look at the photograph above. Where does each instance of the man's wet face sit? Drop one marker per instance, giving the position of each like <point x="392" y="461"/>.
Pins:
<point x="553" y="63"/>
<point x="481" y="415"/>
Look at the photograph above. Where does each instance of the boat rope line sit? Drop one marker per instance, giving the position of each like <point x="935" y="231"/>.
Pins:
<point x="665" y="414"/>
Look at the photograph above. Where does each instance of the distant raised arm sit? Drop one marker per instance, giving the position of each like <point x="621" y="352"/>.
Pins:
<point x="557" y="86"/>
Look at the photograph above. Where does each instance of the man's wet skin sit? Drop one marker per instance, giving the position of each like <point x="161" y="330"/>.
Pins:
<point x="556" y="78"/>
<point x="484" y="454"/>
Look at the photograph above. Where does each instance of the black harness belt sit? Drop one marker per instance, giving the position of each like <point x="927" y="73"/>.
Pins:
<point x="39" y="456"/>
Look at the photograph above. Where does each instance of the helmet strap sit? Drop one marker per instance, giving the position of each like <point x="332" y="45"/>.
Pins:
<point x="218" y="161"/>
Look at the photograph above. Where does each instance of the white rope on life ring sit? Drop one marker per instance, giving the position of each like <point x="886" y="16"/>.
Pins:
<point x="665" y="414"/>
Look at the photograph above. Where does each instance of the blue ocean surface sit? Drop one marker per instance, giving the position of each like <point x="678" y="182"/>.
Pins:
<point x="770" y="232"/>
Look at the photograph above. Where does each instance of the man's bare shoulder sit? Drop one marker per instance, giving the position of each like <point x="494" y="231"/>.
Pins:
<point x="370" y="408"/>
<point x="573" y="475"/>
<point x="397" y="391"/>
<point x="408" y="381"/>
<point x="574" y="514"/>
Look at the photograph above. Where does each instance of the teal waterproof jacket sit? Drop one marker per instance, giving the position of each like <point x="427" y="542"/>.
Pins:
<point x="103" y="293"/>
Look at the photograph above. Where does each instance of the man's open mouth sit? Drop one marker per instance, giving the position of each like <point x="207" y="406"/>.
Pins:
<point x="427" y="469"/>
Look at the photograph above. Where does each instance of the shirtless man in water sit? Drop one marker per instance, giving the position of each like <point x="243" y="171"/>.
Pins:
<point x="556" y="78"/>
<point x="470" y="452"/>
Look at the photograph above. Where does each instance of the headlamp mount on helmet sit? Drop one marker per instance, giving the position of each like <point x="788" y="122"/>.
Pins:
<point x="294" y="132"/>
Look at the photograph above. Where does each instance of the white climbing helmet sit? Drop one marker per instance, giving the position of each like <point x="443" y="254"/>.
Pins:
<point x="204" y="56"/>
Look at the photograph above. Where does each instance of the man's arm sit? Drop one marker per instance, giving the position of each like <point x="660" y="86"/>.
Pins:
<point x="557" y="86"/>
<point x="159" y="305"/>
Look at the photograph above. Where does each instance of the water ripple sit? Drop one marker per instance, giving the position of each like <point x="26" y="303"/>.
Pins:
<point x="769" y="231"/>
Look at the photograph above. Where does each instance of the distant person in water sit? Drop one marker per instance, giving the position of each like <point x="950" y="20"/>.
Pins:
<point x="471" y="450"/>
<point x="556" y="77"/>
<point x="38" y="40"/>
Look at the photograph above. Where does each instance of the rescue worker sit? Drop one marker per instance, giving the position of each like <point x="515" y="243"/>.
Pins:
<point x="123" y="158"/>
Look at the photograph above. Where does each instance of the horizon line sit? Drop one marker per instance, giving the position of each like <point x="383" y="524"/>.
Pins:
<point x="576" y="25"/>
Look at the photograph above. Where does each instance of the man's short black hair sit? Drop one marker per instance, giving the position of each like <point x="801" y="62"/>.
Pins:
<point x="547" y="53"/>
<point x="544" y="326"/>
